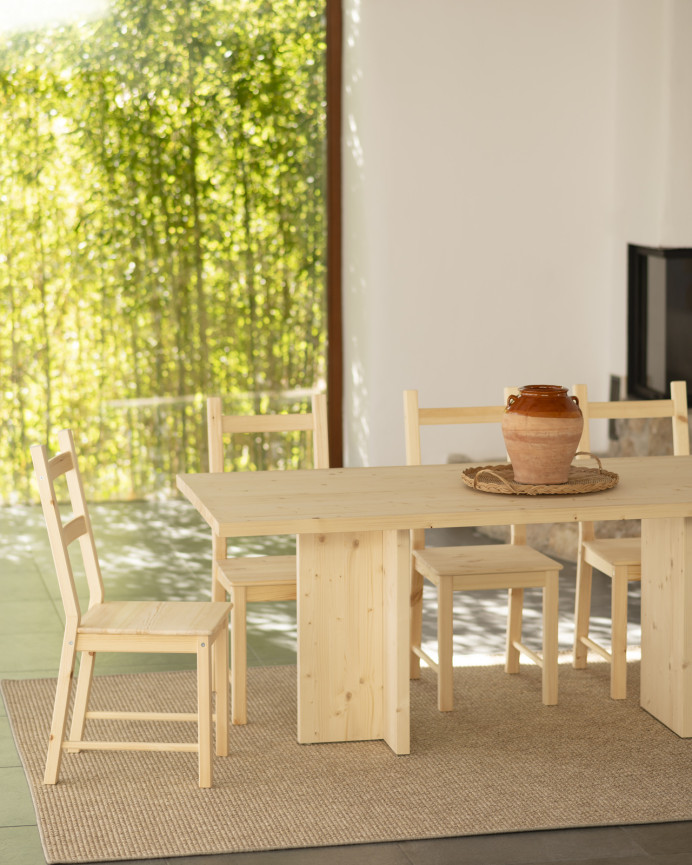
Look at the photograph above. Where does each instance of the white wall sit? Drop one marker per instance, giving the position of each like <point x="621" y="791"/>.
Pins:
<point x="652" y="166"/>
<point x="488" y="159"/>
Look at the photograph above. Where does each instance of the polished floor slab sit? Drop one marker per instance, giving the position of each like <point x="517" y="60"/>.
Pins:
<point x="163" y="548"/>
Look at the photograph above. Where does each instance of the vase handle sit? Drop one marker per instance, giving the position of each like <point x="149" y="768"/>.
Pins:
<point x="511" y="399"/>
<point x="593" y="456"/>
<point x="576" y="399"/>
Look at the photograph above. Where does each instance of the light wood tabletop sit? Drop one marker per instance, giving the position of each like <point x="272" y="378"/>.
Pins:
<point x="408" y="497"/>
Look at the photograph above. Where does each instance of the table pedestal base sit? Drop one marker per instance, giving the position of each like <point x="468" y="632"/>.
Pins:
<point x="666" y="667"/>
<point x="353" y="631"/>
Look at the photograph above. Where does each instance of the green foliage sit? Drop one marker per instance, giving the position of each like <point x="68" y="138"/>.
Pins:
<point x="162" y="233"/>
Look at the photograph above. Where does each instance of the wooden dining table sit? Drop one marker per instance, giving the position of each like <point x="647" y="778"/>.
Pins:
<point x="352" y="528"/>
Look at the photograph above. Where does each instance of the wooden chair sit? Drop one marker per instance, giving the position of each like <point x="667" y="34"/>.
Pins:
<point x="514" y="566"/>
<point x="123" y="626"/>
<point x="618" y="558"/>
<point x="248" y="579"/>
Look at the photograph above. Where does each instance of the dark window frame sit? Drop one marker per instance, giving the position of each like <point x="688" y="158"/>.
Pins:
<point x="335" y="387"/>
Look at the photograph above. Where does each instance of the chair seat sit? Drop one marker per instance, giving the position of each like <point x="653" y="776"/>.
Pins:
<point x="153" y="618"/>
<point x="255" y="571"/>
<point x="608" y="553"/>
<point x="485" y="565"/>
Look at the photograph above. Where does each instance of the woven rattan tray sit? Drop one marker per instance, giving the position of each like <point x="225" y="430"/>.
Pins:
<point x="500" y="479"/>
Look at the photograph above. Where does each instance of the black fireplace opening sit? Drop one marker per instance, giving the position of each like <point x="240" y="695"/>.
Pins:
<point x="659" y="321"/>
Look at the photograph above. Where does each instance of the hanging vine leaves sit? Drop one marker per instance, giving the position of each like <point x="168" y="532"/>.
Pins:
<point x="162" y="233"/>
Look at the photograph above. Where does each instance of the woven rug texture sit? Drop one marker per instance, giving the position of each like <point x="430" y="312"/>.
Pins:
<point x="501" y="762"/>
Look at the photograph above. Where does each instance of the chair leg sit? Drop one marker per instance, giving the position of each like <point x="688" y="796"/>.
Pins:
<point x="514" y="621"/>
<point x="81" y="700"/>
<point x="445" y="645"/>
<point x="239" y="656"/>
<point x="618" y="612"/>
<point x="218" y="552"/>
<point x="416" y="621"/>
<point x="60" y="707"/>
<point x="550" y="629"/>
<point x="582" y="611"/>
<point x="204" y="681"/>
<point x="220" y="661"/>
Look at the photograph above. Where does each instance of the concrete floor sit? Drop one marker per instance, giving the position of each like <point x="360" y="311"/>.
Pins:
<point x="133" y="540"/>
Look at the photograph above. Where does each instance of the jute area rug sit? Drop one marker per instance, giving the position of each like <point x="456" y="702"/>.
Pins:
<point x="501" y="762"/>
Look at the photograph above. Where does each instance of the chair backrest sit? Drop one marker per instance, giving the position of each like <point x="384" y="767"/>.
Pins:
<point x="62" y="533"/>
<point x="416" y="417"/>
<point x="674" y="408"/>
<point x="219" y="424"/>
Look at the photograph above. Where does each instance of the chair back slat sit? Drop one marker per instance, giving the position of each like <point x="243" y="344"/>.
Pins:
<point x="645" y="408"/>
<point x="62" y="533"/>
<point x="59" y="465"/>
<point x="219" y="425"/>
<point x="73" y="530"/>
<point x="464" y="414"/>
<point x="257" y="423"/>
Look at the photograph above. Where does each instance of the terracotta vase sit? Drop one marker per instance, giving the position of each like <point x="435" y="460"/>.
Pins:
<point x="542" y="427"/>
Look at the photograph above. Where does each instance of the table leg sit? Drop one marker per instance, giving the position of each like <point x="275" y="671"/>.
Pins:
<point x="666" y="667"/>
<point x="353" y="623"/>
<point x="397" y="630"/>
